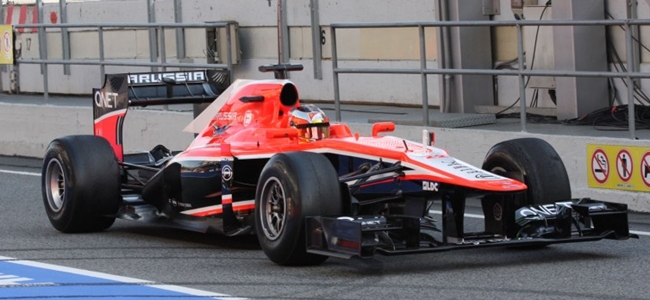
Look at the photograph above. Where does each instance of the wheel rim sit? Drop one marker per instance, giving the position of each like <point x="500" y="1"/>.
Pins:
<point x="274" y="208"/>
<point x="507" y="169"/>
<point x="499" y="170"/>
<point x="55" y="185"/>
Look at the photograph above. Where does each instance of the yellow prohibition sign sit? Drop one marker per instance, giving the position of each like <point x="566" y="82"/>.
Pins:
<point x="6" y="47"/>
<point x="618" y="167"/>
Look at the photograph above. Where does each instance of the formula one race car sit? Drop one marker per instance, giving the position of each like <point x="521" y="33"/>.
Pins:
<point x="262" y="163"/>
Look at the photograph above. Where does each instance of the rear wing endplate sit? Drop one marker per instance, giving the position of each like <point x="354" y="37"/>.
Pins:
<point x="121" y="91"/>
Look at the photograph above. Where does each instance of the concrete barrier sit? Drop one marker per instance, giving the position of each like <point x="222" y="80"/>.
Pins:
<point x="28" y="129"/>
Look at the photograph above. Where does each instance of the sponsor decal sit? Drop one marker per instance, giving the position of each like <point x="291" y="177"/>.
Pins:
<point x="539" y="210"/>
<point x="440" y="160"/>
<point x="436" y="156"/>
<point x="371" y="222"/>
<point x="429" y="186"/>
<point x="226" y="173"/>
<point x="175" y="203"/>
<point x="248" y="117"/>
<point x="105" y="99"/>
<point x="226" y="116"/>
<point x="144" y="78"/>
<point x="463" y="168"/>
<point x="544" y="210"/>
<point x="217" y="130"/>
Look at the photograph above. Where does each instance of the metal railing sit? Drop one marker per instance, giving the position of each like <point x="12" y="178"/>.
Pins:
<point x="521" y="72"/>
<point x="102" y="62"/>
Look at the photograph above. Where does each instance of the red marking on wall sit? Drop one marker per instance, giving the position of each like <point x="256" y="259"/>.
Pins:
<point x="53" y="17"/>
<point x="22" y="18"/>
<point x="10" y="14"/>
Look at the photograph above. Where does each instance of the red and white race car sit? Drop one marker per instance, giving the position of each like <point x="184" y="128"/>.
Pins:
<point x="262" y="163"/>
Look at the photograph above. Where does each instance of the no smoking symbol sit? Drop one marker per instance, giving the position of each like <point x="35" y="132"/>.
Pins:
<point x="624" y="165"/>
<point x="600" y="166"/>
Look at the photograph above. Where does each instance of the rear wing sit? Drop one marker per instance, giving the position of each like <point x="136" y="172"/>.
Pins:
<point x="121" y="91"/>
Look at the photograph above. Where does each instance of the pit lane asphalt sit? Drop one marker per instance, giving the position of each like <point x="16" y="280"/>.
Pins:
<point x="237" y="267"/>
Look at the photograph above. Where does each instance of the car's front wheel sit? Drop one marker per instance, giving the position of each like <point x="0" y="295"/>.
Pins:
<point x="532" y="161"/>
<point x="291" y="187"/>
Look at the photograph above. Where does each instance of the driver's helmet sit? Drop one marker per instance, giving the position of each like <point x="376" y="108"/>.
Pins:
<point x="312" y="123"/>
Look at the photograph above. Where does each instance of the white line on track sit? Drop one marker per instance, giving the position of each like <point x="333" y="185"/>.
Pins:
<point x="640" y="232"/>
<point x="20" y="173"/>
<point x="100" y="275"/>
<point x="437" y="212"/>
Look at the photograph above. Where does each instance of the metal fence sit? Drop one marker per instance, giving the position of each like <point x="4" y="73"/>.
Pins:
<point x="158" y="31"/>
<point x="521" y="72"/>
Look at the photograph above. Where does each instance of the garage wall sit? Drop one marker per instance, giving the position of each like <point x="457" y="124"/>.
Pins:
<point x="258" y="43"/>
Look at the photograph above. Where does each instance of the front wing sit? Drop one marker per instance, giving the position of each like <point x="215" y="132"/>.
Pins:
<point x="579" y="220"/>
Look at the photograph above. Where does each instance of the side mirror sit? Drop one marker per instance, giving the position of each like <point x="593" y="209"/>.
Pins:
<point x="382" y="127"/>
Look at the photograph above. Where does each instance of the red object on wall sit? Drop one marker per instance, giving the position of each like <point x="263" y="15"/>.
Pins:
<point x="53" y="17"/>
<point x="10" y="14"/>
<point x="22" y="18"/>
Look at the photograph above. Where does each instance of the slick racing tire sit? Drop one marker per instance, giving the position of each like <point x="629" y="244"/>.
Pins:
<point x="535" y="163"/>
<point x="291" y="187"/>
<point x="80" y="184"/>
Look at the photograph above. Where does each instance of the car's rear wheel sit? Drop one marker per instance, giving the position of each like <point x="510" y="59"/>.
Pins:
<point x="291" y="187"/>
<point x="80" y="184"/>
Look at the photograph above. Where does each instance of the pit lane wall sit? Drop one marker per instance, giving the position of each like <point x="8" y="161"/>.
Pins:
<point x="28" y="129"/>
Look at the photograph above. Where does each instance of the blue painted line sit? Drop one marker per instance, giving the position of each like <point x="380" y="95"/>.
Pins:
<point x="20" y="279"/>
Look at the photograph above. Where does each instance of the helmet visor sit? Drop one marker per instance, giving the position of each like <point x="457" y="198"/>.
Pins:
<point x="315" y="132"/>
